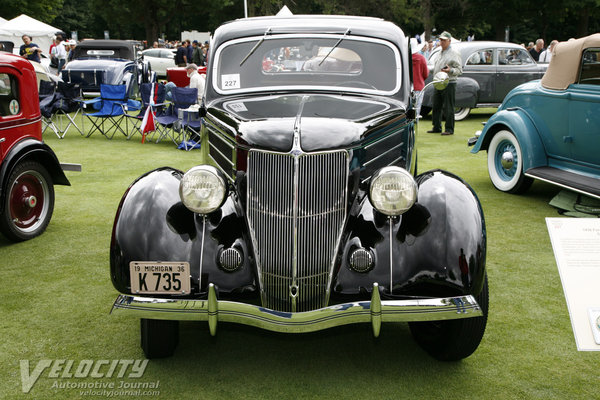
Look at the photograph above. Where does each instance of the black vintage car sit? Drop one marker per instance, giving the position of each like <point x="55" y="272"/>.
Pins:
<point x="490" y="71"/>
<point x="307" y="211"/>
<point x="114" y="62"/>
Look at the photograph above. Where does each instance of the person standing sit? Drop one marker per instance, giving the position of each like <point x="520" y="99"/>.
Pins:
<point x="190" y="52"/>
<point x="29" y="50"/>
<point x="196" y="53"/>
<point x="181" y="55"/>
<point x="420" y="73"/>
<point x="536" y="50"/>
<point x="449" y="62"/>
<point x="546" y="55"/>
<point x="61" y="53"/>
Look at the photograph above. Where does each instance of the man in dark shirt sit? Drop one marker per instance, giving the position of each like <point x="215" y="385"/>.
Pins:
<point x="181" y="55"/>
<point x="537" y="49"/>
<point x="29" y="50"/>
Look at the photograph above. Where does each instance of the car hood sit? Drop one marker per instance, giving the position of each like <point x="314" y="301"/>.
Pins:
<point x="322" y="121"/>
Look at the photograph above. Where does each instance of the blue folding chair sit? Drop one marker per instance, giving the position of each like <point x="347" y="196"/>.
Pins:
<point x="112" y="105"/>
<point x="170" y="124"/>
<point x="56" y="108"/>
<point x="156" y="102"/>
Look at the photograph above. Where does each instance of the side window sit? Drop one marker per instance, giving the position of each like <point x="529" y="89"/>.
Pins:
<point x="9" y="95"/>
<point x="514" y="57"/>
<point x="590" y="67"/>
<point x="480" y="57"/>
<point x="152" y="53"/>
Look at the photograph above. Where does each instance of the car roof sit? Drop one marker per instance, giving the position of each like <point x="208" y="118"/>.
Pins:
<point x="466" y="48"/>
<point x="359" y="26"/>
<point x="125" y="48"/>
<point x="566" y="60"/>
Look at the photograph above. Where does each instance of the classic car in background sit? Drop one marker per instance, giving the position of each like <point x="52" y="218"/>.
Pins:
<point x="178" y="75"/>
<point x="550" y="129"/>
<point x="490" y="71"/>
<point x="114" y="62"/>
<point x="160" y="59"/>
<point x="307" y="211"/>
<point x="28" y="167"/>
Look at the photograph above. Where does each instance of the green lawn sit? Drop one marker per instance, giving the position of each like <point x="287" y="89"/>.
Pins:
<point x="56" y="295"/>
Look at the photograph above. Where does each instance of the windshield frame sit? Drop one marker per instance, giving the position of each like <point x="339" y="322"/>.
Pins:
<point x="319" y="88"/>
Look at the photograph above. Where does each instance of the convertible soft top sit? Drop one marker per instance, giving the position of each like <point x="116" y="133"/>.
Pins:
<point x="124" y="49"/>
<point x="566" y="60"/>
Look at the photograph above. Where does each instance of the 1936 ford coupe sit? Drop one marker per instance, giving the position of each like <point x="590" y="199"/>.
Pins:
<point x="306" y="211"/>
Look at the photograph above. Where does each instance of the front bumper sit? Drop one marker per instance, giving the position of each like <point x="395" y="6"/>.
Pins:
<point x="374" y="311"/>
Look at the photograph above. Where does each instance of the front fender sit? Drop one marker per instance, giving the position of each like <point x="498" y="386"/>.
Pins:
<point x="467" y="93"/>
<point x="437" y="248"/>
<point x="152" y="224"/>
<point x="32" y="149"/>
<point x="520" y="124"/>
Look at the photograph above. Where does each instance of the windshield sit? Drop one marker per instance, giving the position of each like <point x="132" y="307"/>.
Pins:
<point x="321" y="62"/>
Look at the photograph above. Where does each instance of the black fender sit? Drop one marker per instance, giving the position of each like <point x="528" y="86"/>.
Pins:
<point x="152" y="224"/>
<point x="438" y="247"/>
<point x="32" y="150"/>
<point x="467" y="93"/>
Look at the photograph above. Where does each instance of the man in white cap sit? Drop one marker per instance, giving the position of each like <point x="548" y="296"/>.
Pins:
<point x="196" y="80"/>
<point x="449" y="62"/>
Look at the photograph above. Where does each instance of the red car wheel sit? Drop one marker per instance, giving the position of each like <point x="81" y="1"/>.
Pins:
<point x="28" y="203"/>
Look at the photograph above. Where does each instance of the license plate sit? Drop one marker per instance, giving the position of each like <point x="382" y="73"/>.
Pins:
<point x="160" y="277"/>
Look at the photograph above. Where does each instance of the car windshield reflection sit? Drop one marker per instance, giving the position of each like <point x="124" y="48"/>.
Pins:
<point x="315" y="62"/>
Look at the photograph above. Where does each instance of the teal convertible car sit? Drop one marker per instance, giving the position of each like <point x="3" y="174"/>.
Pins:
<point x="549" y="129"/>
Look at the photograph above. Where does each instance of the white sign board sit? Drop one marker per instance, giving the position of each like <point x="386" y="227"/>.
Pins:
<point x="576" y="245"/>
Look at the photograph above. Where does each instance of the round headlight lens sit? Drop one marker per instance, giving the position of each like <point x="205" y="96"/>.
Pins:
<point x="202" y="189"/>
<point x="393" y="191"/>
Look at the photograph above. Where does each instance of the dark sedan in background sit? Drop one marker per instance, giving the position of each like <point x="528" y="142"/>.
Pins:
<point x="114" y="62"/>
<point x="490" y="71"/>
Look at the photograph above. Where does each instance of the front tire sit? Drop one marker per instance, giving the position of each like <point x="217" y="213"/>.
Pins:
<point x="28" y="202"/>
<point x="456" y="339"/>
<point x="159" y="338"/>
<point x="461" y="113"/>
<point x="505" y="163"/>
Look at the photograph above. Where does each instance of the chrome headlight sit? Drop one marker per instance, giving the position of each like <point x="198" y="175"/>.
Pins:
<point x="202" y="189"/>
<point x="393" y="191"/>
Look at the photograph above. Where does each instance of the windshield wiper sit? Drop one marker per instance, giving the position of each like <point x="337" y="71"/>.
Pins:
<point x="335" y="45"/>
<point x="255" y="46"/>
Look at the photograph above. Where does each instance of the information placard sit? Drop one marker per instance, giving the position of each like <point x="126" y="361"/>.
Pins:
<point x="576" y="246"/>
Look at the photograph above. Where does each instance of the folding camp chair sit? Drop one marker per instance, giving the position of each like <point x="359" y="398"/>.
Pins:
<point x="46" y="90"/>
<point x="112" y="106"/>
<point x="153" y="96"/>
<point x="172" y="124"/>
<point x="61" y="108"/>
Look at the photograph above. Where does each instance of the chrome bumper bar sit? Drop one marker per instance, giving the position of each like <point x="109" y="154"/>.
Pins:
<point x="374" y="311"/>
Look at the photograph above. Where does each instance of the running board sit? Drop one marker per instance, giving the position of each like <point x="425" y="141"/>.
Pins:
<point x="569" y="180"/>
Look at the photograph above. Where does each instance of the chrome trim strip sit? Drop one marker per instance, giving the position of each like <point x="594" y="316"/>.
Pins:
<point x="374" y="311"/>
<point x="380" y="140"/>
<point x="221" y="138"/>
<point x="563" y="185"/>
<point x="216" y="165"/>
<point x="222" y="155"/>
<point x="383" y="154"/>
<point x="31" y="122"/>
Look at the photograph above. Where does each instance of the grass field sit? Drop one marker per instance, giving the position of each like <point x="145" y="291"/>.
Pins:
<point x="56" y="295"/>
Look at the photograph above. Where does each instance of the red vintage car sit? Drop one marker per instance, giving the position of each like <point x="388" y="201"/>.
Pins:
<point x="28" y="167"/>
<point x="178" y="75"/>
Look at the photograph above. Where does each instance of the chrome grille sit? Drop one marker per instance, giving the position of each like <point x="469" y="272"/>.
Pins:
<point x="296" y="213"/>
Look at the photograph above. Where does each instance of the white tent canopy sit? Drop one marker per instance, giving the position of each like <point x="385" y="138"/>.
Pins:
<point x="41" y="33"/>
